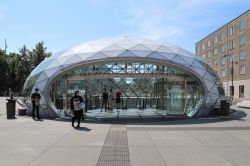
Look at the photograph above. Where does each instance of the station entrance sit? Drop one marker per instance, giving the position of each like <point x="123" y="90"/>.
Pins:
<point x="147" y="89"/>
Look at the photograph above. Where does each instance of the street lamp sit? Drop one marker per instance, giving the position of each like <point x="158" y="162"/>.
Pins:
<point x="232" y="73"/>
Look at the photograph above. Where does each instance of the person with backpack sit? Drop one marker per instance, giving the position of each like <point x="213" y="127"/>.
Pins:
<point x="76" y="105"/>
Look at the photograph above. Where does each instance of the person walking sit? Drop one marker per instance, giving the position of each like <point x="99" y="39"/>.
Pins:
<point x="76" y="105"/>
<point x="118" y="97"/>
<point x="110" y="99"/>
<point x="104" y="99"/>
<point x="35" y="99"/>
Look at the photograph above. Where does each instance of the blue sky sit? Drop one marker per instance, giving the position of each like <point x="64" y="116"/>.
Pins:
<point x="64" y="23"/>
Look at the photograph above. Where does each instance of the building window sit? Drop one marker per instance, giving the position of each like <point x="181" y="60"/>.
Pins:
<point x="203" y="46"/>
<point x="242" y="39"/>
<point x="209" y="53"/>
<point x="208" y="43"/>
<point x="223" y="73"/>
<point x="215" y="39"/>
<point x="223" y="60"/>
<point x="203" y="56"/>
<point x="198" y="49"/>
<point x="231" y="44"/>
<point x="215" y="63"/>
<point x="222" y="48"/>
<point x="222" y="36"/>
<point x="241" y="91"/>
<point x="231" y="57"/>
<point x="242" y="69"/>
<point x="231" y="31"/>
<point x="215" y="51"/>
<point x="242" y="54"/>
<point x="242" y="25"/>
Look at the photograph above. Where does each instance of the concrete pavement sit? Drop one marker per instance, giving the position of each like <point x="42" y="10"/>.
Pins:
<point x="201" y="142"/>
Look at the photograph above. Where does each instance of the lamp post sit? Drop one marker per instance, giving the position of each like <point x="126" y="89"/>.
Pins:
<point x="232" y="73"/>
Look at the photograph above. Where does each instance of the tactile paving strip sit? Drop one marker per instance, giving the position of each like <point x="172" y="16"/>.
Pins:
<point x="115" y="150"/>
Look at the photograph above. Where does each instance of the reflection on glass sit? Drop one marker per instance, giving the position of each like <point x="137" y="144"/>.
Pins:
<point x="163" y="88"/>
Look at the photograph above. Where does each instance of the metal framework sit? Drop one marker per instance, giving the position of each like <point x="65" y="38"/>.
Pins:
<point x="140" y="66"/>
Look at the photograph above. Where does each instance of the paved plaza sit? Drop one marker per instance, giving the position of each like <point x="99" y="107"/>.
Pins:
<point x="195" y="142"/>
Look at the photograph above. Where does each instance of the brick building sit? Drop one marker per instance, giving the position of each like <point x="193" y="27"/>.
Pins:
<point x="227" y="51"/>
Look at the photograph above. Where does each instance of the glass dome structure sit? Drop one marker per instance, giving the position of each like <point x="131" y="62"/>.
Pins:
<point x="114" y="59"/>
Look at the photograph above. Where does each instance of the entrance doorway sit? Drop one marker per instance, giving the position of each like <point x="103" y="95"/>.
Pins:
<point x="146" y="88"/>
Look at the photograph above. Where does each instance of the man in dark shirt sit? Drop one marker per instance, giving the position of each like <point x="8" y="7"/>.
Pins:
<point x="118" y="97"/>
<point x="35" y="99"/>
<point x="104" y="99"/>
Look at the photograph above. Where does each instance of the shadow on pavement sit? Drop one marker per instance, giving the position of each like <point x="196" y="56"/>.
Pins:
<point x="171" y="120"/>
<point x="82" y="128"/>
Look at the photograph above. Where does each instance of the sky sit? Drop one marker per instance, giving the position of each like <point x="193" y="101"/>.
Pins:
<point x="62" y="24"/>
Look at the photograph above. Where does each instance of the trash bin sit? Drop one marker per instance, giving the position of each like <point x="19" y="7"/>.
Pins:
<point x="10" y="108"/>
<point x="225" y="106"/>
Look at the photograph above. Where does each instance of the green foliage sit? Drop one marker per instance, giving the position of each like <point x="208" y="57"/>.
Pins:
<point x="16" y="67"/>
<point x="4" y="70"/>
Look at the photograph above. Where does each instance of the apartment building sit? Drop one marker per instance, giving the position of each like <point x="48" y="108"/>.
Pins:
<point x="227" y="51"/>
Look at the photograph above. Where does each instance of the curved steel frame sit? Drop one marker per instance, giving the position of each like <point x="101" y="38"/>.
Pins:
<point x="180" y="59"/>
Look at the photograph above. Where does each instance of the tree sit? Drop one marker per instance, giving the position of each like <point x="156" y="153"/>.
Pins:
<point x="3" y="71"/>
<point x="24" y="66"/>
<point x="39" y="54"/>
<point x="12" y="71"/>
<point x="16" y="67"/>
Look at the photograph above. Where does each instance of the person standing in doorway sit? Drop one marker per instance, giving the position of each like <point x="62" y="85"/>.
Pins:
<point x="118" y="97"/>
<point x="75" y="104"/>
<point x="110" y="99"/>
<point x="35" y="99"/>
<point x="5" y="93"/>
<point x="104" y="99"/>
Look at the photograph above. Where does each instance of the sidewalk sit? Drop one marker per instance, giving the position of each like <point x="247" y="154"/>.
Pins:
<point x="200" y="142"/>
<point x="244" y="104"/>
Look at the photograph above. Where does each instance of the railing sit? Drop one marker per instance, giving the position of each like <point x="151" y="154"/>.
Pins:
<point x="127" y="75"/>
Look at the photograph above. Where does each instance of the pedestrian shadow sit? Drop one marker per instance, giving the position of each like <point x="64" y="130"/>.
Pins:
<point x="39" y="120"/>
<point x="82" y="128"/>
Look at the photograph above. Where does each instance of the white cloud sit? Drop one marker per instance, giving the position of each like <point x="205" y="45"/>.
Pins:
<point x="181" y="22"/>
<point x="151" y="20"/>
<point x="2" y="12"/>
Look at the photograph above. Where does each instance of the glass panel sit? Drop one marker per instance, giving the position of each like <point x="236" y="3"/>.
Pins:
<point x="72" y="60"/>
<point x="152" y="47"/>
<point x="164" y="49"/>
<point x="127" y="54"/>
<point x="159" y="90"/>
<point x="51" y="72"/>
<point x="113" y="47"/>
<point x="42" y="77"/>
<point x="41" y="85"/>
<point x="140" y="47"/>
<point x="113" y="53"/>
<point x="209" y="84"/>
<point x="141" y="53"/>
<point x="157" y="56"/>
<point x="98" y="55"/>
